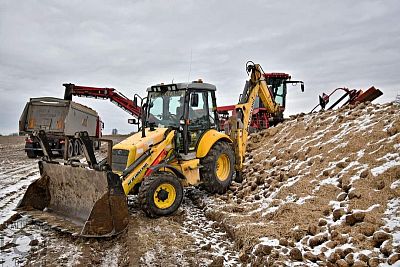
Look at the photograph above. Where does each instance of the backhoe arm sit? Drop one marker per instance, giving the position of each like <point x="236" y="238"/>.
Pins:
<point x="255" y="87"/>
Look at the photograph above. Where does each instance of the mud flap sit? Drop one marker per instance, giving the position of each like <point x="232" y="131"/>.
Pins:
<point x="83" y="201"/>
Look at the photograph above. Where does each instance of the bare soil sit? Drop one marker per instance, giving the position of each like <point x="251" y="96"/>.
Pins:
<point x="187" y="238"/>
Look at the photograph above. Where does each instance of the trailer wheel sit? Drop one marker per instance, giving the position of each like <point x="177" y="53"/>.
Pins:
<point x="31" y="154"/>
<point x="96" y="144"/>
<point x="70" y="148"/>
<point x="62" y="150"/>
<point x="81" y="152"/>
<point x="77" y="148"/>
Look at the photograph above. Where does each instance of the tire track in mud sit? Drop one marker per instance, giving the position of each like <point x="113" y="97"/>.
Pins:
<point x="16" y="232"/>
<point x="198" y="241"/>
<point x="208" y="235"/>
<point x="24" y="242"/>
<point x="17" y="241"/>
<point x="12" y="187"/>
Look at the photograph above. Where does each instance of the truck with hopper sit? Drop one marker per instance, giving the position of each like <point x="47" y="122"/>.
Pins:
<point x="60" y="119"/>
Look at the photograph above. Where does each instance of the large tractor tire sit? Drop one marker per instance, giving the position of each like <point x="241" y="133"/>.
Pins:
<point x="218" y="168"/>
<point x="160" y="194"/>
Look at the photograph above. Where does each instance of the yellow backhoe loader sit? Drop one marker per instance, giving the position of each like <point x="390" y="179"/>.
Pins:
<point x="179" y="145"/>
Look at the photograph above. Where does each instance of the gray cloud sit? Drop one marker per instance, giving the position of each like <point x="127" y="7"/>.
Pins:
<point x="130" y="45"/>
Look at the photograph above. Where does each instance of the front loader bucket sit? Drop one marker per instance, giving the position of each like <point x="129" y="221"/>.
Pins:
<point x="82" y="201"/>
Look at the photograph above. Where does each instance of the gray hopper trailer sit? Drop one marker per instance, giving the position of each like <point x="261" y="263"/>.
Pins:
<point x="60" y="119"/>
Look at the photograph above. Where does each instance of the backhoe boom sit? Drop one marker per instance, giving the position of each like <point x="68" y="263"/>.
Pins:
<point x="255" y="87"/>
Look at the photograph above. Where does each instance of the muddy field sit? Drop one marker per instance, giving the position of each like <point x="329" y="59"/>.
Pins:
<point x="321" y="189"/>
<point x="187" y="239"/>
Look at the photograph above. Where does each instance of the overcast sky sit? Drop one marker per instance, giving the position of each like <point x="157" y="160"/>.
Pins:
<point x="130" y="45"/>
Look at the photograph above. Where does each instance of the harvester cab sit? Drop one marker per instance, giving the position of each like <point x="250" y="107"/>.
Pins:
<point x="179" y="144"/>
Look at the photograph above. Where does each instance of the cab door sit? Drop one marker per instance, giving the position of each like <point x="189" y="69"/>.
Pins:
<point x="201" y="117"/>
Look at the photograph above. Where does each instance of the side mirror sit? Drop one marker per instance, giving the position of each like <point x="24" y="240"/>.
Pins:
<point x="135" y="100"/>
<point x="132" y="121"/>
<point x="302" y="87"/>
<point x="194" y="100"/>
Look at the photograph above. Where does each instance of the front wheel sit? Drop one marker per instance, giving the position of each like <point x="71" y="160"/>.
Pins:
<point x="160" y="194"/>
<point x="218" y="167"/>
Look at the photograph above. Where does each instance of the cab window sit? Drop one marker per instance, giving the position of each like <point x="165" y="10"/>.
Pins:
<point x="211" y="112"/>
<point x="198" y="119"/>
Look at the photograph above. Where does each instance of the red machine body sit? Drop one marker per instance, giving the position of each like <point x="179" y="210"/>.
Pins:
<point x="353" y="96"/>
<point x="261" y="119"/>
<point x="112" y="94"/>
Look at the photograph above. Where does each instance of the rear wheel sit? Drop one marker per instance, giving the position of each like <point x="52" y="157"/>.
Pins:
<point x="77" y="148"/>
<point x="160" y="194"/>
<point x="62" y="149"/>
<point x="96" y="145"/>
<point x="218" y="167"/>
<point x="81" y="151"/>
<point x="31" y="154"/>
<point x="70" y="148"/>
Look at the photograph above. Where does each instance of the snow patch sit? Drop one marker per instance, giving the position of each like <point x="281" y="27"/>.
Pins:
<point x="269" y="242"/>
<point x="392" y="220"/>
<point x="384" y="167"/>
<point x="395" y="184"/>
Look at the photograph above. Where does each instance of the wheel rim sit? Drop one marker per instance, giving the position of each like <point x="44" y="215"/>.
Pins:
<point x="223" y="167"/>
<point x="164" y="196"/>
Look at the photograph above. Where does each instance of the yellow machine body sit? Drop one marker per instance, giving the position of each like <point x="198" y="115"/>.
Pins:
<point x="154" y="161"/>
<point x="157" y="143"/>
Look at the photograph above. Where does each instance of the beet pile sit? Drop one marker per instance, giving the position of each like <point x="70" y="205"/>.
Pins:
<point x="320" y="188"/>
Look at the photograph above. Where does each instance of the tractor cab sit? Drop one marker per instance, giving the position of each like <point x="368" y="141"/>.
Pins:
<point x="277" y="85"/>
<point x="190" y="108"/>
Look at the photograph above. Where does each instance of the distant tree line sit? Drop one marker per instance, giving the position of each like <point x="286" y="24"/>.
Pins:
<point x="11" y="134"/>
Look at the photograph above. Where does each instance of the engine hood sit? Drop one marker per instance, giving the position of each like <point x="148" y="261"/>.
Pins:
<point x="130" y="149"/>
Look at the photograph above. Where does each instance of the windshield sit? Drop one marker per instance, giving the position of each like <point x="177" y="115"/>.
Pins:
<point x="279" y="94"/>
<point x="166" y="109"/>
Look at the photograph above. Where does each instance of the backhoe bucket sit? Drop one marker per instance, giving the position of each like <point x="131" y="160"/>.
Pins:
<point x="79" y="200"/>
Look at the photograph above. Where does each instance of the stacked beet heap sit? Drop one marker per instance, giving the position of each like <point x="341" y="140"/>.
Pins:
<point x="322" y="188"/>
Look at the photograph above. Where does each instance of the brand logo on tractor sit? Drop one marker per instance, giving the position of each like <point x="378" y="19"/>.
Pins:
<point x="138" y="173"/>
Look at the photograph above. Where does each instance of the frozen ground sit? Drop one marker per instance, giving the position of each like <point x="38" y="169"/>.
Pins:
<point x="320" y="189"/>
<point x="188" y="238"/>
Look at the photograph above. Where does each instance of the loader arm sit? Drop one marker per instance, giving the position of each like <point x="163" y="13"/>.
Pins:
<point x="255" y="87"/>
